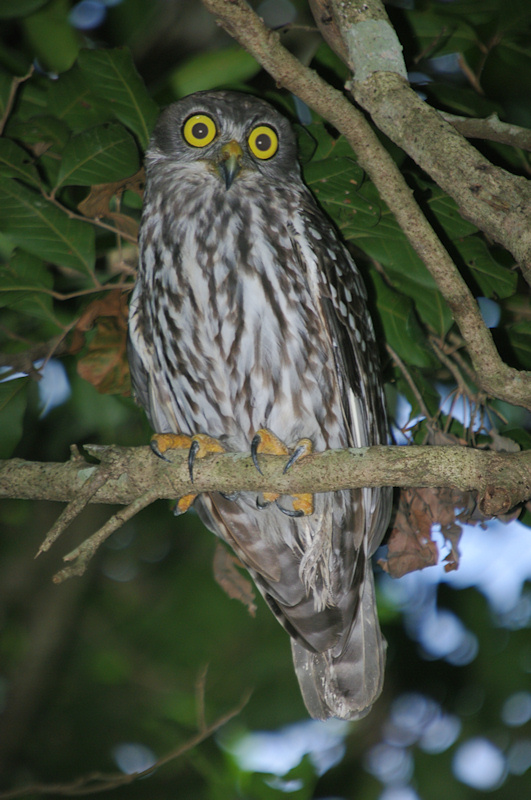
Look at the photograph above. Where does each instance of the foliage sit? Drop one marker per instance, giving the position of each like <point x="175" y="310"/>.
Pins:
<point x="129" y="641"/>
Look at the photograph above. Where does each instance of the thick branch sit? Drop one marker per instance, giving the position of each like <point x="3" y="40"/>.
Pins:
<point x="495" y="377"/>
<point x="496" y="201"/>
<point x="502" y="479"/>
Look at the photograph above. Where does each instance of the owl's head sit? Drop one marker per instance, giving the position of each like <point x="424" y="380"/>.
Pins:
<point x="226" y="134"/>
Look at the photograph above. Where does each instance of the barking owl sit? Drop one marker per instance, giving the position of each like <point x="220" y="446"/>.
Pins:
<point x="248" y="324"/>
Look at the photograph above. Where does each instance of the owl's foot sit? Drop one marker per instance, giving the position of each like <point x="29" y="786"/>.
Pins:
<point x="198" y="446"/>
<point x="302" y="503"/>
<point x="265" y="441"/>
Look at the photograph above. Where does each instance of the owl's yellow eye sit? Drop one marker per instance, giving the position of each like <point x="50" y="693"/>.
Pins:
<point x="263" y="142"/>
<point x="199" y="130"/>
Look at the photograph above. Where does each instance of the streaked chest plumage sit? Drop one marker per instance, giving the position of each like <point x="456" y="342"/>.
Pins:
<point x="235" y="288"/>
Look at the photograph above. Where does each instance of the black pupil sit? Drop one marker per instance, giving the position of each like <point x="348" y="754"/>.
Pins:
<point x="200" y="130"/>
<point x="263" y="141"/>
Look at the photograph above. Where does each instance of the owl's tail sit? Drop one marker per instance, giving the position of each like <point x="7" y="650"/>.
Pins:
<point x="347" y="683"/>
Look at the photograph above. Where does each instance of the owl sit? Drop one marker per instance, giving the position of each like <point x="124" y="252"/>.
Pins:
<point x="249" y="331"/>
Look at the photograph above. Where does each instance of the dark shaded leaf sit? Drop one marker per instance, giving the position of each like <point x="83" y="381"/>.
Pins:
<point x="98" y="155"/>
<point x="104" y="364"/>
<point x="10" y="9"/>
<point x="53" y="39"/>
<point x="37" y="226"/>
<point x="114" y="78"/>
<point x="401" y="328"/>
<point x="231" y="65"/>
<point x="16" y="163"/>
<point x="23" y="284"/>
<point x="13" y="399"/>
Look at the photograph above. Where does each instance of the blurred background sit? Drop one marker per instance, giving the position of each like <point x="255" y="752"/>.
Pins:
<point x="109" y="672"/>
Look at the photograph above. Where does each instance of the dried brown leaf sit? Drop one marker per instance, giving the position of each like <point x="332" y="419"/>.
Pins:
<point x="97" y="204"/>
<point x="104" y="365"/>
<point x="231" y="580"/>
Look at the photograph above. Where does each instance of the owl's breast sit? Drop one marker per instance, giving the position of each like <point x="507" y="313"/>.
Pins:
<point x="237" y="330"/>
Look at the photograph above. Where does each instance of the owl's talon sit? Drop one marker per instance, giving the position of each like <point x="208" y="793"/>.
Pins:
<point x="295" y="512"/>
<point x="198" y="446"/>
<point x="303" y="448"/>
<point x="254" y="451"/>
<point x="183" y="504"/>
<point x="265" y="441"/>
<point x="158" y="452"/>
<point x="267" y="499"/>
<point x="192" y="453"/>
<point x="302" y="503"/>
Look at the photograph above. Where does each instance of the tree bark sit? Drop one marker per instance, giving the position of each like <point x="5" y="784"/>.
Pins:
<point x="127" y="474"/>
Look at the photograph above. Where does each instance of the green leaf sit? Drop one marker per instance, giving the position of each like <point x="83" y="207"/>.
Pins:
<point x="51" y="36"/>
<point x="16" y="163"/>
<point x="46" y="135"/>
<point x="232" y="65"/>
<point x="402" y="331"/>
<point x="9" y="9"/>
<point x="520" y="339"/>
<point x="353" y="203"/>
<point x="493" y="279"/>
<point x="39" y="227"/>
<point x="43" y="130"/>
<point x="98" y="155"/>
<point x="113" y="78"/>
<point x="13" y="399"/>
<point x="447" y="212"/>
<point x="461" y="100"/>
<point x="439" y="35"/>
<point x="326" y="58"/>
<point x="71" y="99"/>
<point x="24" y="282"/>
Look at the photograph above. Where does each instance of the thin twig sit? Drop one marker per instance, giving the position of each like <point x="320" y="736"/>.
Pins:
<point x="405" y="372"/>
<point x="128" y="285"/>
<point x="82" y="554"/>
<point x="97" y="782"/>
<point x="200" y="685"/>
<point x="90" y="220"/>
<point x="75" y="507"/>
<point x="15" y="83"/>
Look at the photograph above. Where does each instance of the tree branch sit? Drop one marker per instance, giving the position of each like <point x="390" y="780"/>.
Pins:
<point x="502" y="479"/>
<point x="97" y="782"/>
<point x="494" y="376"/>
<point x="496" y="201"/>
<point x="491" y="128"/>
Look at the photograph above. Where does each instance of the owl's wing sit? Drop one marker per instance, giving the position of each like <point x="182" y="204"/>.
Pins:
<point x="346" y="679"/>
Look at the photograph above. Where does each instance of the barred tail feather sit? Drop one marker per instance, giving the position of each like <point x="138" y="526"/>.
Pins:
<point x="345" y="685"/>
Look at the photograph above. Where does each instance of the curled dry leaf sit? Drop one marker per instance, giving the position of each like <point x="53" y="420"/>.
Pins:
<point x="231" y="580"/>
<point x="411" y="546"/>
<point x="104" y="365"/>
<point x="97" y="204"/>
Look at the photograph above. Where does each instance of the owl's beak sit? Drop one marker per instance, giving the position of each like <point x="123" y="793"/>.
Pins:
<point x="231" y="160"/>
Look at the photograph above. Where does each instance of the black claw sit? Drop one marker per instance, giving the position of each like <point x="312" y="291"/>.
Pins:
<point x="297" y="453"/>
<point x="261" y="505"/>
<point x="231" y="497"/>
<point x="288" y="511"/>
<point x="194" y="448"/>
<point x="254" y="452"/>
<point x="154" y="446"/>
